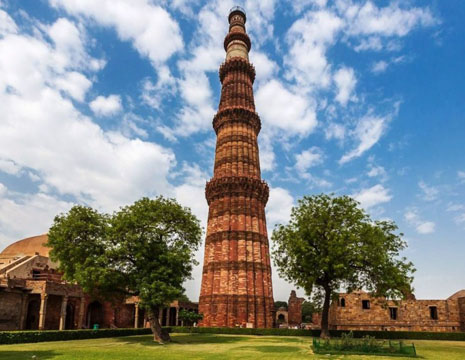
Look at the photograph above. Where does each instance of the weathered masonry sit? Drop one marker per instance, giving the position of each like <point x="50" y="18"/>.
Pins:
<point x="33" y="296"/>
<point x="236" y="283"/>
<point x="360" y="311"/>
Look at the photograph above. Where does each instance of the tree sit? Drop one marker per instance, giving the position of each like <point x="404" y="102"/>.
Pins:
<point x="279" y="304"/>
<point x="145" y="250"/>
<point x="330" y="243"/>
<point x="189" y="317"/>
<point x="308" y="309"/>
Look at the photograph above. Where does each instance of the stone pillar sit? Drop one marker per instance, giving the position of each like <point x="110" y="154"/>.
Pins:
<point x="136" y="316"/>
<point x="81" y="312"/>
<point x="145" y="318"/>
<point x="168" y="310"/>
<point x="23" y="314"/>
<point x="64" y="303"/>
<point x="43" y="310"/>
<point x="177" y="316"/>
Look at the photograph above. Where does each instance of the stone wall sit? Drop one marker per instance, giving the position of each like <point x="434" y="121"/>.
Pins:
<point x="348" y="313"/>
<point x="52" y="318"/>
<point x="294" y="309"/>
<point x="461" y="302"/>
<point x="10" y="310"/>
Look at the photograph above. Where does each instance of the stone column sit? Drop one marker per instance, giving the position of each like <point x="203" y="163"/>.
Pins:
<point x="168" y="310"/>
<point x="177" y="316"/>
<point x="81" y="313"/>
<point x="145" y="318"/>
<point x="136" y="317"/>
<point x="43" y="310"/>
<point x="64" y="303"/>
<point x="22" y="318"/>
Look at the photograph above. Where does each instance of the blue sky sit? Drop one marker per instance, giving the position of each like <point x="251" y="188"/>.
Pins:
<point x="104" y="102"/>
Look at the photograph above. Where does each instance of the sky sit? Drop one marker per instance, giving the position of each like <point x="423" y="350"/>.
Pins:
<point x="104" y="102"/>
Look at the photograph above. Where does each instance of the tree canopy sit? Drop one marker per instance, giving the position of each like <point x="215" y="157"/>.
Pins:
<point x="330" y="243"/>
<point x="145" y="250"/>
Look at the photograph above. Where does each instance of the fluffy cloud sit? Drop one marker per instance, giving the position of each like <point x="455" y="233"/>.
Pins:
<point x="345" y="81"/>
<point x="283" y="109"/>
<point x="35" y="212"/>
<point x="278" y="209"/>
<point x="421" y="226"/>
<point x="367" y="132"/>
<point x="379" y="67"/>
<point x="308" y="158"/>
<point x="42" y="131"/>
<point x="308" y="39"/>
<point x="429" y="193"/>
<point x="392" y="20"/>
<point x="461" y="175"/>
<point x="150" y="28"/>
<point x="105" y="106"/>
<point x="375" y="195"/>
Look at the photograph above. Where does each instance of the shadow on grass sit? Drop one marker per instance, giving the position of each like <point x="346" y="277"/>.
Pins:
<point x="271" y="349"/>
<point x="188" y="339"/>
<point x="21" y="354"/>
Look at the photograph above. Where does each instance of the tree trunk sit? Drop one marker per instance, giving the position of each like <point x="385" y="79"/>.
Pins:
<point x="160" y="335"/>
<point x="325" y="315"/>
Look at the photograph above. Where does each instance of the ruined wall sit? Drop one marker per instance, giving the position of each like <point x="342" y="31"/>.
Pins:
<point x="52" y="316"/>
<point x="10" y="310"/>
<point x="461" y="302"/>
<point x="412" y="315"/>
<point x="294" y="309"/>
<point x="124" y="316"/>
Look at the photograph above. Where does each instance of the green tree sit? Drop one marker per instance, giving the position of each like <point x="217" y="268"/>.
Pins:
<point x="189" y="317"/>
<point x="308" y="309"/>
<point x="145" y="250"/>
<point x="279" y="304"/>
<point x="331" y="243"/>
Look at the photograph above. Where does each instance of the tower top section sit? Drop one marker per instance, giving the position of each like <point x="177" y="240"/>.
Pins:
<point x="238" y="11"/>
<point x="237" y="42"/>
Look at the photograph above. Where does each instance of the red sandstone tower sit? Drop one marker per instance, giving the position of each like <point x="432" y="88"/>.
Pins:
<point x="236" y="282"/>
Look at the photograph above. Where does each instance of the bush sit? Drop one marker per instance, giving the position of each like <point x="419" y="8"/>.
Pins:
<point x="392" y="335"/>
<point x="32" y="336"/>
<point x="347" y="344"/>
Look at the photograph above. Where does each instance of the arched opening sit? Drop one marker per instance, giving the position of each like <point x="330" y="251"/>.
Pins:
<point x="343" y="302"/>
<point x="32" y="318"/>
<point x="281" y="318"/>
<point x="69" y="321"/>
<point x="94" y="314"/>
<point x="172" y="317"/>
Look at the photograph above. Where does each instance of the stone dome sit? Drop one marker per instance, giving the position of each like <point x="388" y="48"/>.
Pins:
<point x="29" y="246"/>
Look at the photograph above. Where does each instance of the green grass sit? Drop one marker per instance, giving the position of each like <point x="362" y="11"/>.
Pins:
<point x="206" y="346"/>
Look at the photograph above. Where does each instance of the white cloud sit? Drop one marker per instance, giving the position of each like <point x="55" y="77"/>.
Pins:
<point x="392" y="20"/>
<point x="9" y="166"/>
<point x="308" y="158"/>
<point x="283" y="109"/>
<point x="7" y="24"/>
<point x="42" y="131"/>
<point x="278" y="209"/>
<point x="375" y="195"/>
<point x="368" y="131"/>
<point x="106" y="106"/>
<point x="335" y="131"/>
<point x="372" y="43"/>
<point x="308" y="39"/>
<point x="36" y="212"/>
<point x="264" y="66"/>
<point x="345" y="81"/>
<point x="150" y="28"/>
<point x="421" y="226"/>
<point x="376" y="171"/>
<point x="379" y="67"/>
<point x="429" y="193"/>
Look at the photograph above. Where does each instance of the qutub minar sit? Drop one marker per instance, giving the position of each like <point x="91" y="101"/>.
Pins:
<point x="236" y="282"/>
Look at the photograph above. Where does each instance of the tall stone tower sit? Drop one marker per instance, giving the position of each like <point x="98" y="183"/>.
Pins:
<point x="236" y="282"/>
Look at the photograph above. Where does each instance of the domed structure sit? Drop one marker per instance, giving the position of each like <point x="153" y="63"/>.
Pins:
<point x="27" y="247"/>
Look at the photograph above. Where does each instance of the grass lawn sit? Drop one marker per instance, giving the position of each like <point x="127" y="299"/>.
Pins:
<point x="206" y="346"/>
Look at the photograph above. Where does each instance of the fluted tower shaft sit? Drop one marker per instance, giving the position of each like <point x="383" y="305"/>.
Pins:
<point x="236" y="282"/>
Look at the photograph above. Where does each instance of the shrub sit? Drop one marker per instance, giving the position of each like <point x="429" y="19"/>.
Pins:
<point x="32" y="336"/>
<point x="392" y="335"/>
